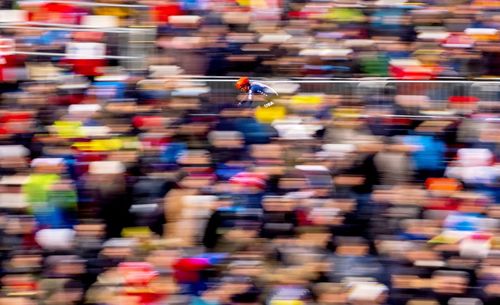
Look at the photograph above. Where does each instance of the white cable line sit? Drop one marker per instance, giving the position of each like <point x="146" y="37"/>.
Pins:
<point x="85" y="3"/>
<point x="65" y="27"/>
<point x="328" y="81"/>
<point x="80" y="57"/>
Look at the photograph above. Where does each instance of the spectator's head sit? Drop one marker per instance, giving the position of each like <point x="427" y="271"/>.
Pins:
<point x="351" y="246"/>
<point x="450" y="282"/>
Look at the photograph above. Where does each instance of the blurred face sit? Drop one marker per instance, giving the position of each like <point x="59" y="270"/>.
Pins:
<point x="245" y="88"/>
<point x="164" y="285"/>
<point x="18" y="283"/>
<point x="117" y="252"/>
<point x="195" y="182"/>
<point x="70" y="268"/>
<point x="247" y="271"/>
<point x="90" y="230"/>
<point x="422" y="255"/>
<point x="25" y="261"/>
<point x="333" y="297"/>
<point x="20" y="226"/>
<point x="352" y="249"/>
<point x="16" y="301"/>
<point x="450" y="284"/>
<point x="292" y="183"/>
<point x="68" y="296"/>
<point x="163" y="258"/>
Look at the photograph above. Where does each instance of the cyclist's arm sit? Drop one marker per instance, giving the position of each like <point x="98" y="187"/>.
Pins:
<point x="250" y="95"/>
<point x="265" y="89"/>
<point x="262" y="91"/>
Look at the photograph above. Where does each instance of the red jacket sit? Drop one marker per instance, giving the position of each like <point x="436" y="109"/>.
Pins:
<point x="7" y="62"/>
<point x="57" y="13"/>
<point x="162" y="13"/>
<point x="86" y="67"/>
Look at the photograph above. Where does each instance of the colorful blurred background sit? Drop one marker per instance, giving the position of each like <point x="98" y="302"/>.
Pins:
<point x="129" y="175"/>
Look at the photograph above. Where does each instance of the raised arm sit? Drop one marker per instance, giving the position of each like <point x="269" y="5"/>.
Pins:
<point x="250" y="95"/>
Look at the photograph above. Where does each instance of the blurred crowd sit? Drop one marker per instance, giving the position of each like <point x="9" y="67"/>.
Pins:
<point x="121" y="190"/>
<point x="144" y="185"/>
<point x="342" y="38"/>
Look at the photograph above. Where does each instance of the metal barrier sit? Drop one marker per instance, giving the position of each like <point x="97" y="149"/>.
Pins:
<point x="374" y="92"/>
<point x="137" y="41"/>
<point x="129" y="45"/>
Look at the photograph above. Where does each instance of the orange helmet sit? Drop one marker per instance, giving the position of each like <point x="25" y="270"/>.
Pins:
<point x="242" y="82"/>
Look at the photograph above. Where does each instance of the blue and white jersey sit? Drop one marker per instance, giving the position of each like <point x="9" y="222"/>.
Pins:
<point x="260" y="88"/>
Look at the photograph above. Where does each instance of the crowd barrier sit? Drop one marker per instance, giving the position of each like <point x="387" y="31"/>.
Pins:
<point x="439" y="93"/>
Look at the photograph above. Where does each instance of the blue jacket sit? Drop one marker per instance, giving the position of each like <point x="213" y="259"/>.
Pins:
<point x="432" y="153"/>
<point x="260" y="88"/>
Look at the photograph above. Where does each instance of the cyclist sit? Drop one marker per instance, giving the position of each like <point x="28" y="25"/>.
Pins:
<point x="255" y="88"/>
